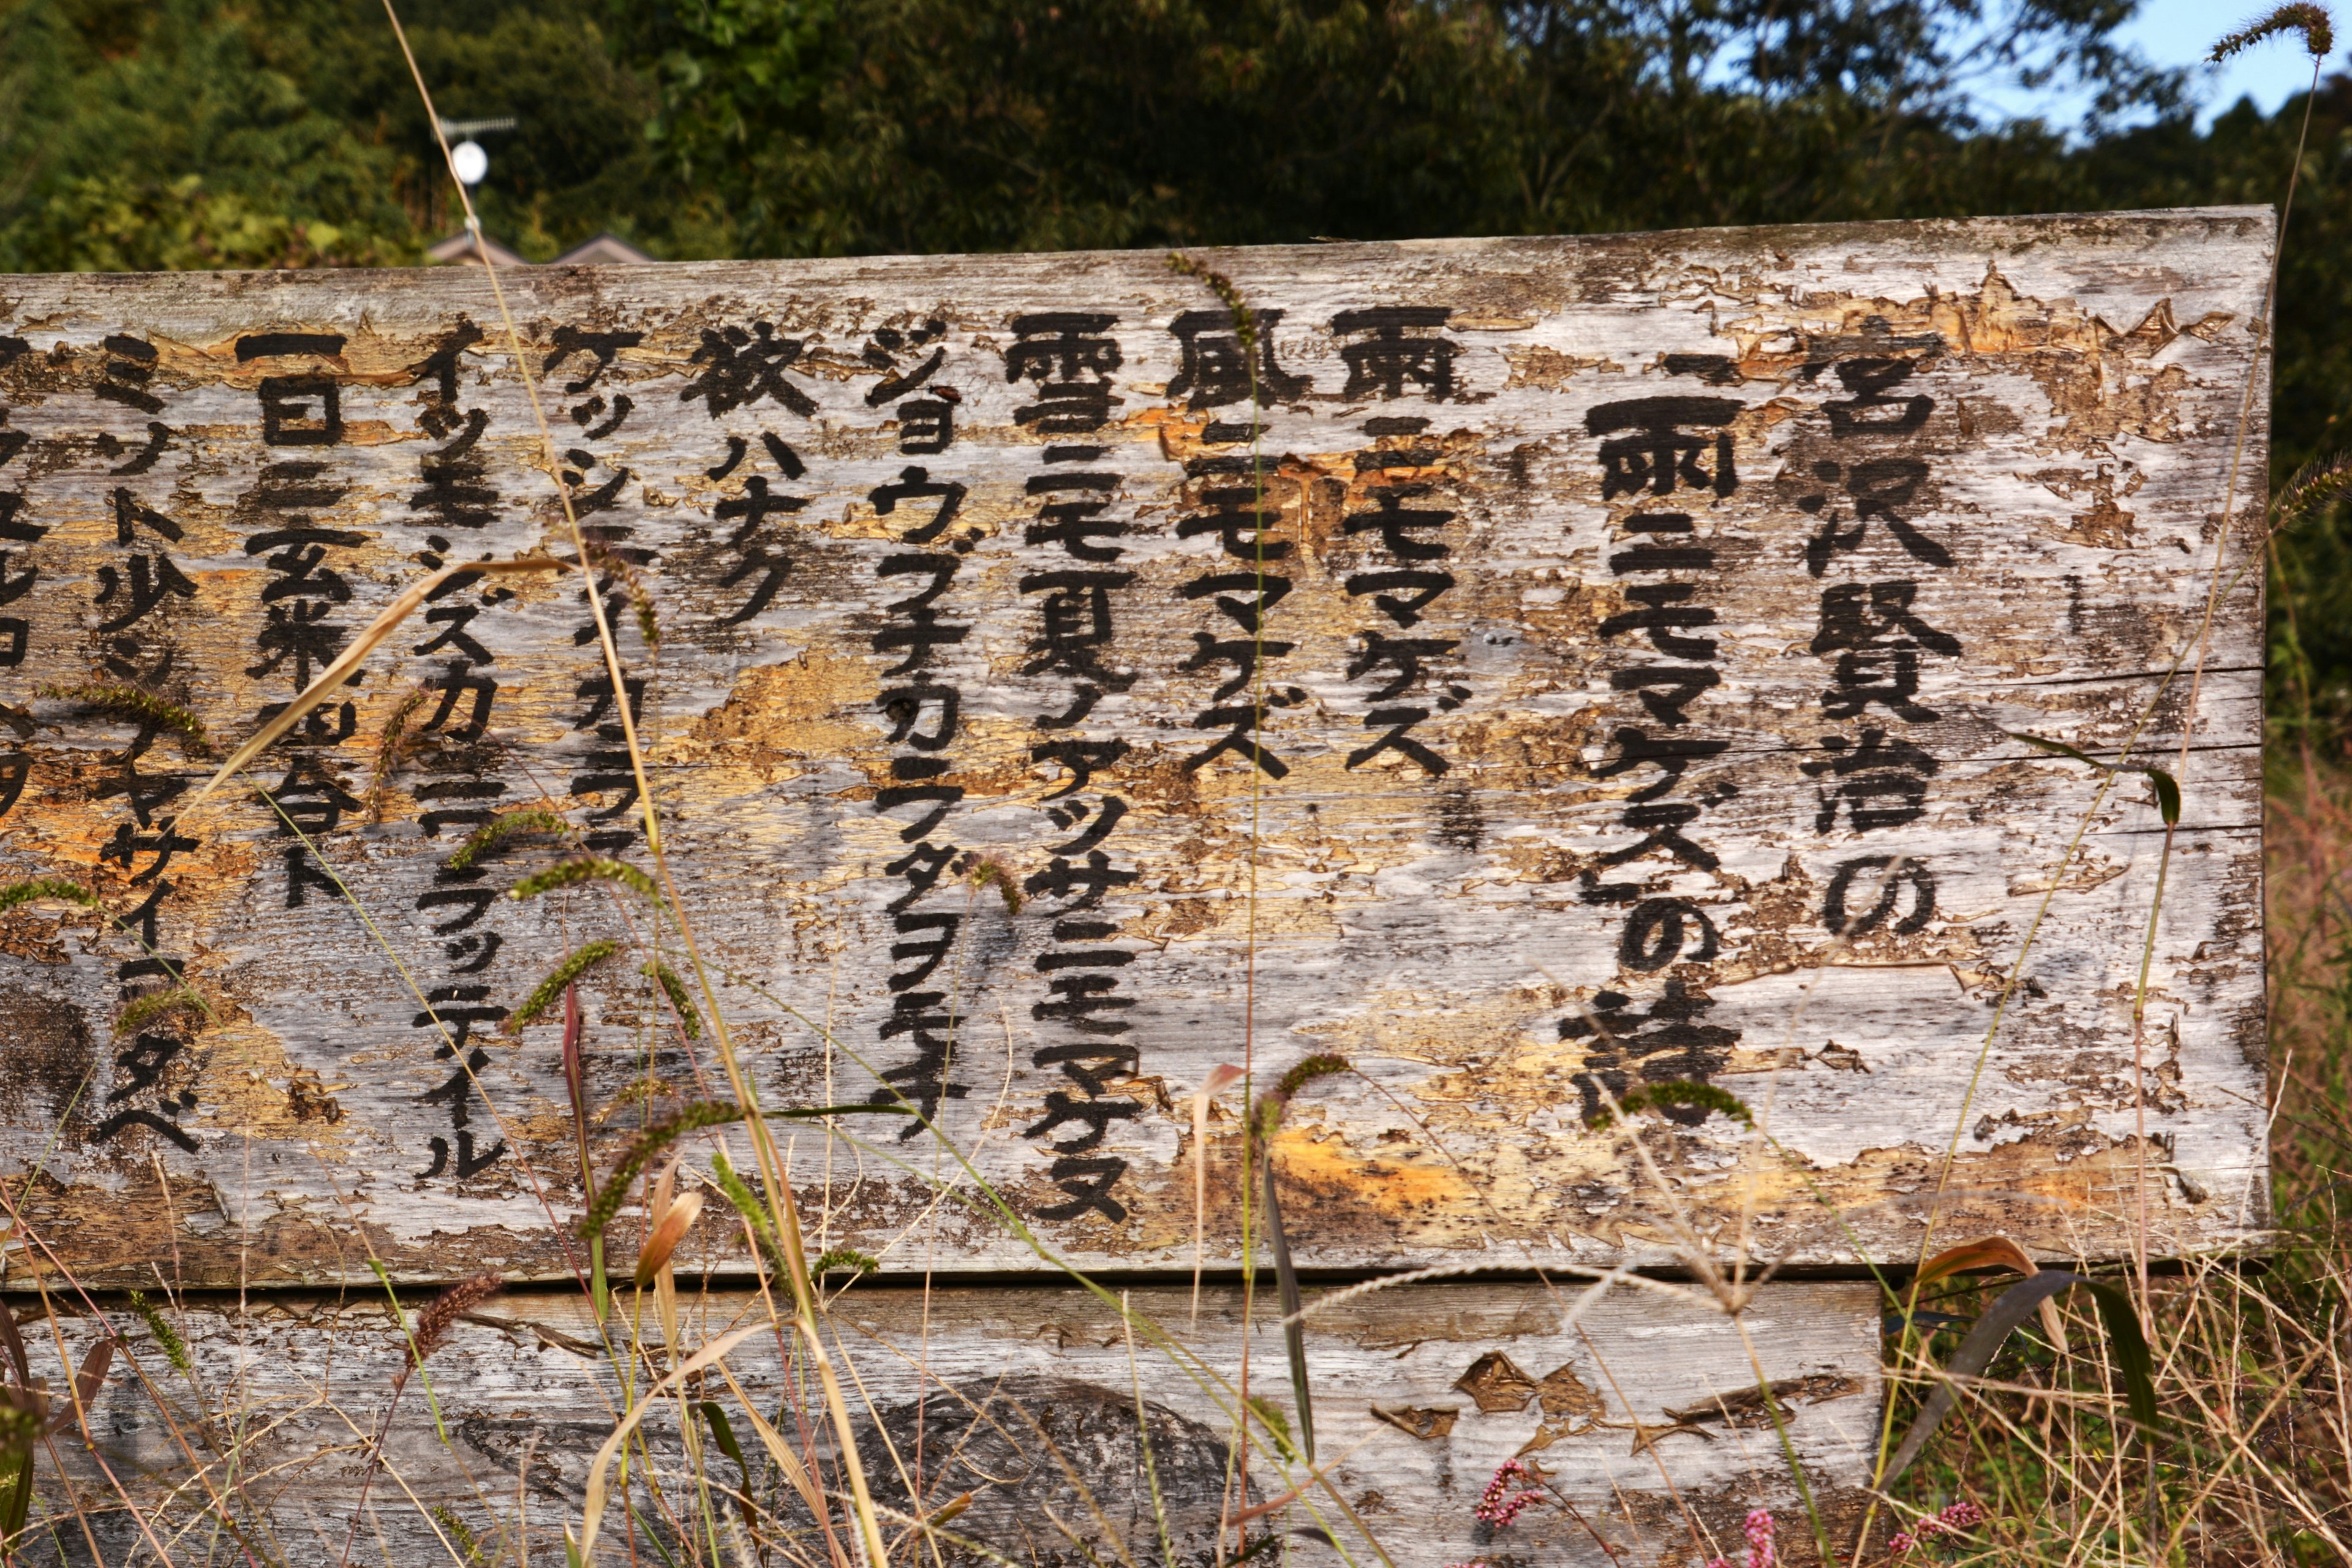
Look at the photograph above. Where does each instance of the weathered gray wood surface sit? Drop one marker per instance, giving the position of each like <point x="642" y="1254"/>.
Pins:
<point x="1470" y="1374"/>
<point x="2003" y="444"/>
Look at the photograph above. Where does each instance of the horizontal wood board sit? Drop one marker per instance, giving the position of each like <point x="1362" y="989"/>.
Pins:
<point x="1467" y="1376"/>
<point x="1696" y="581"/>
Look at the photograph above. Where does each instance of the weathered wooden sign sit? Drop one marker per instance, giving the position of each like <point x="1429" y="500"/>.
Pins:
<point x="1532" y="670"/>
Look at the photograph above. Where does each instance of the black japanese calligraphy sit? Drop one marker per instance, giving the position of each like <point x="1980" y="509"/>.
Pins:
<point x="17" y="579"/>
<point x="925" y="714"/>
<point x="910" y="361"/>
<point x="456" y="786"/>
<point x="1868" y="483"/>
<point x="140" y="596"/>
<point x="1653" y="447"/>
<point x="1412" y="546"/>
<point x="1079" y="598"/>
<point x="1392" y="349"/>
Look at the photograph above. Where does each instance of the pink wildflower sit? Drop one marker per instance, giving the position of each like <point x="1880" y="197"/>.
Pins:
<point x="1763" y="1548"/>
<point x="1498" y="1505"/>
<point x="1951" y="1522"/>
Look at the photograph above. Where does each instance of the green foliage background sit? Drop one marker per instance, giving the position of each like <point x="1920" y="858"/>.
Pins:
<point x="145" y="134"/>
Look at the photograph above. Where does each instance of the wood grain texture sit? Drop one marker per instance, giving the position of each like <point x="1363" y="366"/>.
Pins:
<point x="1718" y="568"/>
<point x="1470" y="1375"/>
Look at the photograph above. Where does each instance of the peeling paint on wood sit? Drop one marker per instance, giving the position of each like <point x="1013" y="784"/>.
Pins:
<point x="1616" y="692"/>
<point x="970" y="1401"/>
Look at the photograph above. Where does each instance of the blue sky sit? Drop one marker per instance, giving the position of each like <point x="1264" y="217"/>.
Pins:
<point x="2181" y="33"/>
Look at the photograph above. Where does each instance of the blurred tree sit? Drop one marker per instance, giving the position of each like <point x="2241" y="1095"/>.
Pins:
<point x="578" y="161"/>
<point x="138" y="136"/>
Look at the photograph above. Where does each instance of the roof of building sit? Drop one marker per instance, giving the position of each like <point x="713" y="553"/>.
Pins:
<point x="459" y="247"/>
<point x="606" y="249"/>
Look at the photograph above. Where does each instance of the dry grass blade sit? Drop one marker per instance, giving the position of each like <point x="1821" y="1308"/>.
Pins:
<point x="1976" y="1353"/>
<point x="85" y="1383"/>
<point x="1294" y="1330"/>
<point x="1222" y="1076"/>
<point x="351" y="657"/>
<point x="795" y="1473"/>
<point x="592" y="1511"/>
<point x="676" y="1221"/>
<point x="1996" y="1252"/>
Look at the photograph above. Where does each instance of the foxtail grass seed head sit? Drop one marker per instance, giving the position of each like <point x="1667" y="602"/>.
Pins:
<point x="986" y="870"/>
<point x="840" y="1260"/>
<point x="1307" y="1071"/>
<point x="494" y="833"/>
<point x="393" y="747"/>
<point x="636" y="1091"/>
<point x="433" y="1323"/>
<point x="736" y="1193"/>
<point x="638" y="1155"/>
<point x="1658" y="1096"/>
<point x="585" y="868"/>
<point x="632" y="583"/>
<point x="459" y="1533"/>
<point x="551" y="990"/>
<point x="131" y="702"/>
<point x="674" y="988"/>
<point x="40" y="889"/>
<point x="167" y="1338"/>
<point x="1245" y="319"/>
<point x="2316" y="486"/>
<point x="156" y="1006"/>
<point x="1272" y="1107"/>
<point x="2319" y="30"/>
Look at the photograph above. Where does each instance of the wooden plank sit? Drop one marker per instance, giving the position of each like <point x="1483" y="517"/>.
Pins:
<point x="1471" y="1375"/>
<point x="1911" y="488"/>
